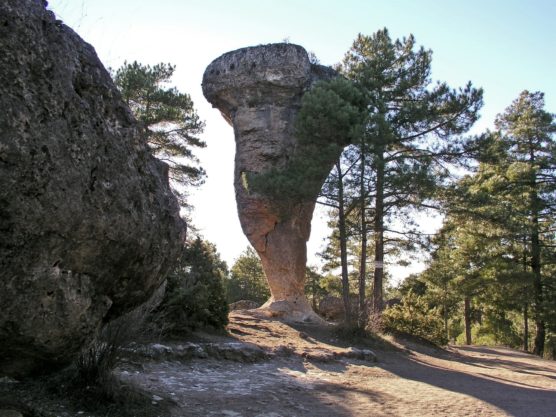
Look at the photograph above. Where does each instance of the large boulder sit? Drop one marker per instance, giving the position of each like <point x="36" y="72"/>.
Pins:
<point x="258" y="91"/>
<point x="88" y="224"/>
<point x="332" y="308"/>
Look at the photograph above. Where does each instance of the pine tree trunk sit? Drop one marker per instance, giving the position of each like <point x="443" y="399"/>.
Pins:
<point x="314" y="291"/>
<point x="467" y="314"/>
<point x="363" y="258"/>
<point x="525" y="297"/>
<point x="538" y="347"/>
<point x="343" y="245"/>
<point x="534" y="202"/>
<point x="379" y="237"/>
<point x="445" y="312"/>
<point x="525" y="328"/>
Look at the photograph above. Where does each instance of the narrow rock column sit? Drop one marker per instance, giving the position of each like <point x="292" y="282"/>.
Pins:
<point x="258" y="90"/>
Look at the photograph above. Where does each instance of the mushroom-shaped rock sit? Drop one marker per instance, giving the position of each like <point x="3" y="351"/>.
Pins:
<point x="88" y="224"/>
<point x="258" y="91"/>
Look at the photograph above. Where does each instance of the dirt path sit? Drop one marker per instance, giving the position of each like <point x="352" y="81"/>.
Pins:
<point x="309" y="375"/>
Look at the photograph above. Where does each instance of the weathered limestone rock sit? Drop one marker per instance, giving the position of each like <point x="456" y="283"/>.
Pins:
<point x="332" y="308"/>
<point x="259" y="90"/>
<point x="88" y="224"/>
<point x="244" y="305"/>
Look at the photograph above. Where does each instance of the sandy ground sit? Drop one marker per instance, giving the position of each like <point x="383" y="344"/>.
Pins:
<point x="308" y="375"/>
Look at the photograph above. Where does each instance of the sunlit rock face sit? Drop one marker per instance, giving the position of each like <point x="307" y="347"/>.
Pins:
<point x="258" y="91"/>
<point x="88" y="224"/>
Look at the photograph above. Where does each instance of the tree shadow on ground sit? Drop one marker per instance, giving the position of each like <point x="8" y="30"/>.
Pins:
<point x="538" y="369"/>
<point x="518" y="400"/>
<point x="294" y="385"/>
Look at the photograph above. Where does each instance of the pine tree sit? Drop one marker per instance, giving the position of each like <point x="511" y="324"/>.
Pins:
<point x="528" y="132"/>
<point x="194" y="295"/>
<point x="408" y="130"/>
<point x="330" y="118"/>
<point x="313" y="286"/>
<point x="247" y="280"/>
<point x="503" y="214"/>
<point x="171" y="121"/>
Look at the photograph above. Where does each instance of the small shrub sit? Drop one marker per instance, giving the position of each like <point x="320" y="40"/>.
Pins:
<point x="415" y="317"/>
<point x="194" y="295"/>
<point x="247" y="280"/>
<point x="90" y="383"/>
<point x="501" y="329"/>
<point x="352" y="332"/>
<point x="374" y="323"/>
<point x="495" y="329"/>
<point x="96" y="362"/>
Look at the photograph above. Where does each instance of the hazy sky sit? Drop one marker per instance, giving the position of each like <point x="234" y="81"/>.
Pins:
<point x="504" y="46"/>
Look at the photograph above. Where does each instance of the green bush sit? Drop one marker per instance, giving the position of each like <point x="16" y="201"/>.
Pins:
<point x="194" y="295"/>
<point x="501" y="328"/>
<point x="247" y="280"/>
<point x="415" y="317"/>
<point x="479" y="336"/>
<point x="313" y="286"/>
<point x="495" y="329"/>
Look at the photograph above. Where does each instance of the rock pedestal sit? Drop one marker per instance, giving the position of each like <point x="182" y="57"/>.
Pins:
<point x="258" y="91"/>
<point x="88" y="224"/>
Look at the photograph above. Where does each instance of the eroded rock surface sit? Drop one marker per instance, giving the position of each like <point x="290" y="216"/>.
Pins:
<point x="332" y="308"/>
<point x="88" y="225"/>
<point x="258" y="90"/>
<point x="244" y="305"/>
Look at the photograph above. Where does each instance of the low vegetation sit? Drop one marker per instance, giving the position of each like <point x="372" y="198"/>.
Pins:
<point x="194" y="297"/>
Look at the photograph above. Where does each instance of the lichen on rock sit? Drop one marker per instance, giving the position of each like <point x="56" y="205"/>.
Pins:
<point x="258" y="91"/>
<point x="88" y="224"/>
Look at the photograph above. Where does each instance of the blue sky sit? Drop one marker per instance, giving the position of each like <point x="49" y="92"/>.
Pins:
<point x="502" y="46"/>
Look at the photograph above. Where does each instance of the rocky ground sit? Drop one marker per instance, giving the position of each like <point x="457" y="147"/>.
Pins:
<point x="271" y="369"/>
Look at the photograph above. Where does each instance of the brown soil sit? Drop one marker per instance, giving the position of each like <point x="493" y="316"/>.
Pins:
<point x="407" y="380"/>
<point x="305" y="370"/>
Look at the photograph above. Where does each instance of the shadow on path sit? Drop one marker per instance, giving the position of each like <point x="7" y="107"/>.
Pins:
<point x="513" y="397"/>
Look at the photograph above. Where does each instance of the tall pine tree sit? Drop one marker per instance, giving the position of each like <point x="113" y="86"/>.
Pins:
<point x="171" y="121"/>
<point x="527" y="130"/>
<point x="409" y="131"/>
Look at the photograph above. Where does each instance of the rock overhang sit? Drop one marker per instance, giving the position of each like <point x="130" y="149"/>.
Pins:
<point x="258" y="75"/>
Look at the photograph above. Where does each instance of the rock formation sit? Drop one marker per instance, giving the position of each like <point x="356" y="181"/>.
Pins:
<point x="332" y="308"/>
<point x="258" y="91"/>
<point x="244" y="305"/>
<point x="88" y="224"/>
